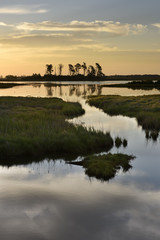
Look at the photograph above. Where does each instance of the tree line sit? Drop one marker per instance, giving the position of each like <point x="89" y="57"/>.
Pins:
<point x="75" y="69"/>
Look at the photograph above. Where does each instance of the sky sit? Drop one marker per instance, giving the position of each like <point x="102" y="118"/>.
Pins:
<point x="123" y="36"/>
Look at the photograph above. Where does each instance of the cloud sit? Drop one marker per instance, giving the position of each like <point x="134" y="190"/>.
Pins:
<point x="2" y="24"/>
<point x="56" y="42"/>
<point x="110" y="27"/>
<point x="138" y="28"/>
<point x="70" y="37"/>
<point x="156" y="25"/>
<point x="22" y="10"/>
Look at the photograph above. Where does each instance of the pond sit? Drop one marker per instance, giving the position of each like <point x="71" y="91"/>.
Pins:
<point x="54" y="200"/>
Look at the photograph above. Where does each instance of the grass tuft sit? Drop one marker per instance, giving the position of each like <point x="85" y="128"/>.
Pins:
<point x="105" y="167"/>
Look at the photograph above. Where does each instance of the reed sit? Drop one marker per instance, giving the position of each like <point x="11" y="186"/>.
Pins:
<point x="37" y="127"/>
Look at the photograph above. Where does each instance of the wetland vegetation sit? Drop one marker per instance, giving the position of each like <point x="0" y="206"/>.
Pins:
<point x="37" y="127"/>
<point x="10" y="85"/>
<point x="144" y="85"/>
<point x="105" y="167"/>
<point x="146" y="109"/>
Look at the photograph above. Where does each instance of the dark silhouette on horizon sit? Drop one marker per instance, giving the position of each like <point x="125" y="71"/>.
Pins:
<point x="79" y="72"/>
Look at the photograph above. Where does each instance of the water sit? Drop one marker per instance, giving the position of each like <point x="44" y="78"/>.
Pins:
<point x="54" y="200"/>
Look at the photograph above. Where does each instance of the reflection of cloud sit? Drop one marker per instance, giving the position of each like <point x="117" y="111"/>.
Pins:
<point x="60" y="208"/>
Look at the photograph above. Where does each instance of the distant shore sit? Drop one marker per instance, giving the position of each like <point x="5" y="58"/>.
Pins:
<point x="54" y="78"/>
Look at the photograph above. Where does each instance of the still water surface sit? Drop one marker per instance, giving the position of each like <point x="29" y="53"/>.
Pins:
<point x="53" y="200"/>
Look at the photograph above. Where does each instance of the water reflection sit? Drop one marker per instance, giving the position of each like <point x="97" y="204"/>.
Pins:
<point x="52" y="200"/>
<point x="152" y="135"/>
<point x="56" y="206"/>
<point x="73" y="90"/>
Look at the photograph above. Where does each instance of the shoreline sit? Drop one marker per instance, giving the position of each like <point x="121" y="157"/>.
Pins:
<point x="80" y="78"/>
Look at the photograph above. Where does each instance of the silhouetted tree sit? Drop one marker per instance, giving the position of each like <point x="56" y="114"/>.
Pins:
<point x="60" y="67"/>
<point x="77" y="67"/>
<point x="11" y="77"/>
<point x="49" y="69"/>
<point x="91" y="71"/>
<point x="71" y="69"/>
<point x="99" y="72"/>
<point x="36" y="76"/>
<point x="84" y="67"/>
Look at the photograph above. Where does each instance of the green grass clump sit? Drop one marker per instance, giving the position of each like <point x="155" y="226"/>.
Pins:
<point x="146" y="109"/>
<point x="105" y="167"/>
<point x="37" y="127"/>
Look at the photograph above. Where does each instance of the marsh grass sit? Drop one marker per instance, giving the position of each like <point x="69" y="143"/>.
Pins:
<point x="37" y="127"/>
<point x="146" y="109"/>
<point x="105" y="167"/>
<point x="10" y="85"/>
<point x="144" y="84"/>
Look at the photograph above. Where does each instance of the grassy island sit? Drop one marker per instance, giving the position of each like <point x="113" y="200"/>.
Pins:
<point x="37" y="127"/>
<point x="143" y="85"/>
<point x="105" y="167"/>
<point x="146" y="109"/>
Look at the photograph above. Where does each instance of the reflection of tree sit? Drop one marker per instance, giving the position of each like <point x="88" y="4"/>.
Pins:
<point x="99" y="89"/>
<point x="152" y="135"/>
<point x="91" y="89"/>
<point x="49" y="89"/>
<point x="60" y="90"/>
<point x="35" y="85"/>
<point x="73" y="90"/>
<point x="120" y="142"/>
<point x="94" y="89"/>
<point x="84" y="90"/>
<point x="78" y="91"/>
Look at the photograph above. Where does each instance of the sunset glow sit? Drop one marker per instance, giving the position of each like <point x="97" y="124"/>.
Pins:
<point x="122" y="36"/>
